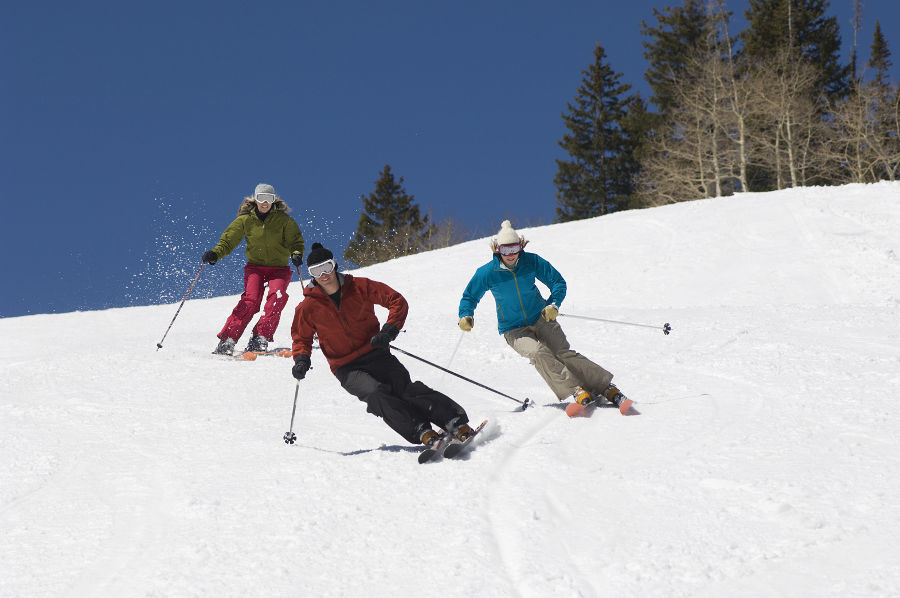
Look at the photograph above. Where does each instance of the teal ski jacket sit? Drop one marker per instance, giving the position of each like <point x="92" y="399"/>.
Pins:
<point x="519" y="302"/>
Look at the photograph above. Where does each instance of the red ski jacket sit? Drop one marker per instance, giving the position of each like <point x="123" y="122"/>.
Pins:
<point x="344" y="333"/>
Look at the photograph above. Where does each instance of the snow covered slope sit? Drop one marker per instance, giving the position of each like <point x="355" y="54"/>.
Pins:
<point x="765" y="461"/>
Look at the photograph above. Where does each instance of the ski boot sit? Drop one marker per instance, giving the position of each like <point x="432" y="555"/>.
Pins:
<point x="581" y="396"/>
<point x="430" y="438"/>
<point x="258" y="343"/>
<point x="615" y="396"/>
<point x="225" y="347"/>
<point x="464" y="432"/>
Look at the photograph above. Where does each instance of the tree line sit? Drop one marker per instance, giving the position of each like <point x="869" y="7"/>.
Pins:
<point x="765" y="108"/>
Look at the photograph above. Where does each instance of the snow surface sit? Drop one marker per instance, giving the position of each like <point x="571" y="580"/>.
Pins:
<point x="765" y="460"/>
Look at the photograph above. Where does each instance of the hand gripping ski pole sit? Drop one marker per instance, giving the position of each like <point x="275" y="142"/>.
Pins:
<point x="525" y="404"/>
<point x="191" y="288"/>
<point x="666" y="328"/>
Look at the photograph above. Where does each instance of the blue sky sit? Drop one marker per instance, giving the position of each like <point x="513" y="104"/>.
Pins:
<point x="131" y="131"/>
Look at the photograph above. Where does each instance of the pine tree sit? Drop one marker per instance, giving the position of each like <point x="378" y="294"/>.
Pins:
<point x="678" y="32"/>
<point x="791" y="56"/>
<point x="776" y="26"/>
<point x="857" y="25"/>
<point x="600" y="176"/>
<point x="884" y="103"/>
<point x="700" y="147"/>
<point x="880" y="57"/>
<point x="390" y="225"/>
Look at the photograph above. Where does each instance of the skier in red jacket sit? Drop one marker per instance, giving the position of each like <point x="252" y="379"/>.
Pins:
<point x="340" y="309"/>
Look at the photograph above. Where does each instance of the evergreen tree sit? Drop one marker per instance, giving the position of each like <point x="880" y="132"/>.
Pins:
<point x="390" y="225"/>
<point x="791" y="53"/>
<point x="857" y="25"/>
<point x="880" y="57"/>
<point x="638" y="125"/>
<point x="678" y="32"/>
<point x="599" y="178"/>
<point x="774" y="26"/>
<point x="884" y="107"/>
<point x="700" y="148"/>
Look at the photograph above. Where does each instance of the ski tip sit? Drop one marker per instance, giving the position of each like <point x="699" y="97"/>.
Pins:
<point x="575" y="410"/>
<point x="625" y="406"/>
<point x="249" y="356"/>
<point x="284" y="353"/>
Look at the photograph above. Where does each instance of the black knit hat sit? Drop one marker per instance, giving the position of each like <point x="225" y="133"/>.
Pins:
<point x="318" y="254"/>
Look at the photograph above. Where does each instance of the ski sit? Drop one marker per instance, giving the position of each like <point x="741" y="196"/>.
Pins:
<point x="432" y="451"/>
<point x="626" y="407"/>
<point x="277" y="352"/>
<point x="252" y="355"/>
<point x="447" y="446"/>
<point x="455" y="447"/>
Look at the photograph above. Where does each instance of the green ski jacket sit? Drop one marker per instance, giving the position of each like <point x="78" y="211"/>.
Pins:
<point x="270" y="242"/>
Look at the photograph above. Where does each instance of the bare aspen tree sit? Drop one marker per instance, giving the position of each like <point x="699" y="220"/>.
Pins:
<point x="791" y="129"/>
<point x="700" y="149"/>
<point x="867" y="129"/>
<point x="735" y="80"/>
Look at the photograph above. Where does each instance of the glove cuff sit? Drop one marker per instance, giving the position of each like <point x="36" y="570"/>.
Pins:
<point x="391" y="330"/>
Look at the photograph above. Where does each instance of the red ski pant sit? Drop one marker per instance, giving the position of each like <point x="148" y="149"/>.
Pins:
<point x="255" y="278"/>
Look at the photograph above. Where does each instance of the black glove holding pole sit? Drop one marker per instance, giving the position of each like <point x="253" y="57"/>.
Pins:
<point x="301" y="366"/>
<point x="388" y="333"/>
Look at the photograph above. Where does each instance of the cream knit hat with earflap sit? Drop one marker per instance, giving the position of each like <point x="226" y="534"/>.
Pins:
<point x="507" y="234"/>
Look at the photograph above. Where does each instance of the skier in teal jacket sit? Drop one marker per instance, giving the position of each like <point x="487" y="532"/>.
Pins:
<point x="528" y="323"/>
<point x="519" y="302"/>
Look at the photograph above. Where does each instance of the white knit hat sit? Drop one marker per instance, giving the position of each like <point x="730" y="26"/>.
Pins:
<point x="264" y="188"/>
<point x="507" y="234"/>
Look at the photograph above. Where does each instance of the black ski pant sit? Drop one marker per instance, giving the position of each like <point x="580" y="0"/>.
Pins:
<point x="380" y="380"/>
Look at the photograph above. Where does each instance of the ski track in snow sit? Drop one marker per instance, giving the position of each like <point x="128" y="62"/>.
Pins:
<point x="765" y="460"/>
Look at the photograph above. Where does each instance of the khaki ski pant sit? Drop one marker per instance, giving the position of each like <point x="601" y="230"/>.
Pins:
<point x="546" y="347"/>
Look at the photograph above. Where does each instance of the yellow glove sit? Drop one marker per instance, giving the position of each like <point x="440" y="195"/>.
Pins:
<point x="550" y="312"/>
<point x="466" y="323"/>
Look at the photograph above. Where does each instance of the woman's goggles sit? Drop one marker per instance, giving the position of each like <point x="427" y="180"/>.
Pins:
<point x="510" y="249"/>
<point x="317" y="270"/>
<point x="265" y="197"/>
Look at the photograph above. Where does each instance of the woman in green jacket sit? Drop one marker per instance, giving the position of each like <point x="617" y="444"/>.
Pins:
<point x="273" y="239"/>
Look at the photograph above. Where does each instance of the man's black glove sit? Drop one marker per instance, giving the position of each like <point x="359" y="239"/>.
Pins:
<point x="297" y="258"/>
<point x="388" y="333"/>
<point x="210" y="257"/>
<point x="301" y="366"/>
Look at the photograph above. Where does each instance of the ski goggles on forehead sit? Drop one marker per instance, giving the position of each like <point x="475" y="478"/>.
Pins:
<point x="317" y="270"/>
<point x="265" y="197"/>
<point x="510" y="249"/>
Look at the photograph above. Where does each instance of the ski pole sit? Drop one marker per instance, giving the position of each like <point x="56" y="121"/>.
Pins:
<point x="455" y="349"/>
<point x="525" y="404"/>
<point x="191" y="288"/>
<point x="453" y="354"/>
<point x="666" y="328"/>
<point x="289" y="436"/>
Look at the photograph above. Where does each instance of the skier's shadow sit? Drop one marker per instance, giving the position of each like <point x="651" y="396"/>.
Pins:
<point x="562" y="406"/>
<point x="490" y="433"/>
<point x="394" y="448"/>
